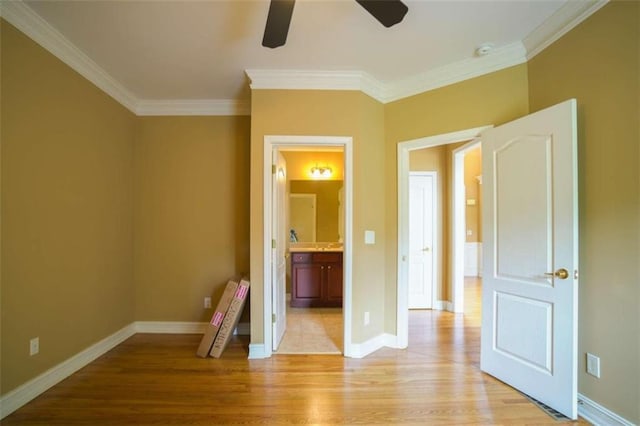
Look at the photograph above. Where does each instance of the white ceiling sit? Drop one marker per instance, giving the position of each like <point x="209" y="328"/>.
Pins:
<point x="188" y="50"/>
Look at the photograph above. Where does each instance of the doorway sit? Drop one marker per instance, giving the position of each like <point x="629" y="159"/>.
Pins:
<point x="275" y="144"/>
<point x="404" y="150"/>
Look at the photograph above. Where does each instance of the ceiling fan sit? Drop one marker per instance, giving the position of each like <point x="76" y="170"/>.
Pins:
<point x="387" y="12"/>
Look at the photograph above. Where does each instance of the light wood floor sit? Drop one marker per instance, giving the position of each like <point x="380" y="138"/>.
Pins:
<point x="157" y="380"/>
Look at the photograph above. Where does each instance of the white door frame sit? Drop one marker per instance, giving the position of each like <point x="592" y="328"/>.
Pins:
<point x="458" y="237"/>
<point x="271" y="142"/>
<point x="435" y="247"/>
<point x="402" y="310"/>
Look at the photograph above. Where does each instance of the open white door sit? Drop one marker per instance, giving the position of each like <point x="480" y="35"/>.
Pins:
<point x="278" y="252"/>
<point x="530" y="286"/>
<point x="422" y="203"/>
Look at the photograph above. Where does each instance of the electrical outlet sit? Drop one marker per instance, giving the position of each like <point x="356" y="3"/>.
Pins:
<point x="366" y="318"/>
<point x="207" y="302"/>
<point x="34" y="346"/>
<point x="593" y="365"/>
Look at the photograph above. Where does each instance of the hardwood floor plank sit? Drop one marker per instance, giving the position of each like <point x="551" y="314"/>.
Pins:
<point x="155" y="379"/>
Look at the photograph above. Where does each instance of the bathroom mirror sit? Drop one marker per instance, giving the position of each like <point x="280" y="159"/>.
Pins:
<point x="314" y="211"/>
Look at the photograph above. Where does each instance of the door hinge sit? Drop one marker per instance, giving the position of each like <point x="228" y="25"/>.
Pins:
<point x="273" y="318"/>
<point x="273" y="169"/>
<point x="273" y="243"/>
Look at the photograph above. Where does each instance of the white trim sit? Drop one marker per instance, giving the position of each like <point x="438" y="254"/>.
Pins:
<point x="566" y="18"/>
<point x="316" y="80"/>
<point x="402" y="311"/>
<point x="443" y="305"/>
<point x="599" y="415"/>
<point x="472" y="258"/>
<point x="258" y="351"/>
<point x="274" y="141"/>
<point x="500" y="58"/>
<point x="193" y="107"/>
<point x="30" y="23"/>
<point x="170" y="327"/>
<point x="31" y="389"/>
<point x="458" y="215"/>
<point x="361" y="350"/>
<point x="561" y="22"/>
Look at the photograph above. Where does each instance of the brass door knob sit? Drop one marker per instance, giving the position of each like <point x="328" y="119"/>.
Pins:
<point x="561" y="273"/>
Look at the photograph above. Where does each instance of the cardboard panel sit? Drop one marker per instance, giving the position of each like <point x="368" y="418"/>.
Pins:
<point x="231" y="319"/>
<point x="217" y="319"/>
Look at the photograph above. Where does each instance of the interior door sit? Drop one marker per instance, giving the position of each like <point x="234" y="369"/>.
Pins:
<point x="530" y="286"/>
<point x="422" y="192"/>
<point x="278" y="256"/>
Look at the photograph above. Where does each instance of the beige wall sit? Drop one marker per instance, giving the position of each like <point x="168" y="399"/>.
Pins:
<point x="473" y="217"/>
<point x="67" y="157"/>
<point x="494" y="98"/>
<point x="598" y="64"/>
<point x="191" y="213"/>
<point x="331" y="113"/>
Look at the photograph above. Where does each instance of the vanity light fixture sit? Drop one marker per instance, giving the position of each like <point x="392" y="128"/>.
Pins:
<point x="321" y="172"/>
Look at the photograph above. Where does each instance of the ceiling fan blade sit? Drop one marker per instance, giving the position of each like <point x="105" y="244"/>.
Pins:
<point x="387" y="12"/>
<point x="278" y="20"/>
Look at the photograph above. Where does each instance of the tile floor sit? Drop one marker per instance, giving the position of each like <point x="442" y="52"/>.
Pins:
<point x="312" y="331"/>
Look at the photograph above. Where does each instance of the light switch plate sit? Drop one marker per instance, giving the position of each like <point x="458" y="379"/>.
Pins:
<point x="369" y="237"/>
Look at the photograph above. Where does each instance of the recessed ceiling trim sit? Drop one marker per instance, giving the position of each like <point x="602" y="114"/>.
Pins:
<point x="193" y="107"/>
<point x="561" y="22"/>
<point x="30" y="23"/>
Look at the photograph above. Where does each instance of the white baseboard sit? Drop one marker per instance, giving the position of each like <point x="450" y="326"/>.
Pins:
<point x="360" y="350"/>
<point x="31" y="389"/>
<point x="257" y="351"/>
<point x="181" y="327"/>
<point x="599" y="415"/>
<point x="170" y="327"/>
<point x="443" y="305"/>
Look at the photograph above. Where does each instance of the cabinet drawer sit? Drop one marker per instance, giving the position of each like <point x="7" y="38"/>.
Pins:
<point x="301" y="257"/>
<point x="327" y="257"/>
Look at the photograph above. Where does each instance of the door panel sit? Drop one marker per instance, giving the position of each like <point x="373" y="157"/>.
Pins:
<point x="278" y="257"/>
<point x="522" y="170"/>
<point x="530" y="227"/>
<point x="421" y="240"/>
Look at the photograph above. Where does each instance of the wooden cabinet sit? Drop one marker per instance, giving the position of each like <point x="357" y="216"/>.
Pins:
<point x="316" y="279"/>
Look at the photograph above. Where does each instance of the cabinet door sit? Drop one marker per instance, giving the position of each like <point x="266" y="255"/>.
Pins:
<point x="334" y="284"/>
<point x="307" y="285"/>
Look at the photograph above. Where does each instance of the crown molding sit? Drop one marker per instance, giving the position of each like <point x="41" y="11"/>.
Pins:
<point x="30" y="23"/>
<point x="566" y="18"/>
<point x="193" y="107"/>
<point x="388" y="92"/>
<point x="499" y="58"/>
<point x="316" y="80"/>
<point x="561" y="22"/>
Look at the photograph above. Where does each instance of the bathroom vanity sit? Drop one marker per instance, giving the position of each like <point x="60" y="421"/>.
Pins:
<point x="316" y="277"/>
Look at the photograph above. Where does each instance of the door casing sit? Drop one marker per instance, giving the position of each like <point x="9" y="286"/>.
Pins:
<point x="404" y="148"/>
<point x="289" y="141"/>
